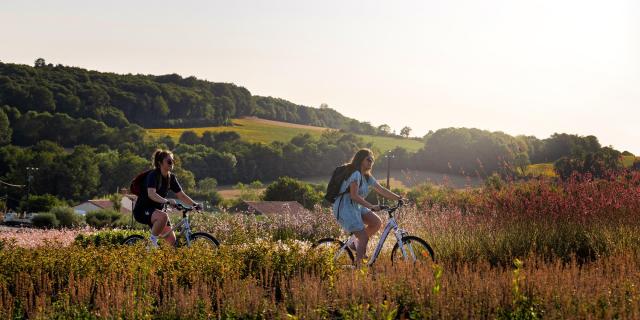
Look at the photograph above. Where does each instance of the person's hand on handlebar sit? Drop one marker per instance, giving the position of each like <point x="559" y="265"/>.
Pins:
<point x="197" y="206"/>
<point x="171" y="202"/>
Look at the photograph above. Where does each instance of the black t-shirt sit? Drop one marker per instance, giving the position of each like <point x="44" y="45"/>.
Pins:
<point x="162" y="186"/>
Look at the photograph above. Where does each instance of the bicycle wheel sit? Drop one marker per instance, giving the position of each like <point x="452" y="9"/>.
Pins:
<point x="133" y="239"/>
<point x="205" y="240"/>
<point x="417" y="251"/>
<point x="340" y="257"/>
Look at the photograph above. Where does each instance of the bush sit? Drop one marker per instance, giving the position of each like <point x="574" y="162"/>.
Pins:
<point x="105" y="238"/>
<point x="102" y="218"/>
<point x="289" y="189"/>
<point x="45" y="220"/>
<point x="66" y="216"/>
<point x="40" y="203"/>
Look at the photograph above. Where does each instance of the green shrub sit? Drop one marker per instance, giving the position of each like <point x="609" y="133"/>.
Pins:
<point x="40" y="203"/>
<point x="45" y="220"/>
<point x="102" y="218"/>
<point x="66" y="216"/>
<point x="289" y="189"/>
<point x="106" y="237"/>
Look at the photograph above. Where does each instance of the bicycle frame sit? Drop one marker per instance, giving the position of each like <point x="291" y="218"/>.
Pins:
<point x="183" y="227"/>
<point x="391" y="225"/>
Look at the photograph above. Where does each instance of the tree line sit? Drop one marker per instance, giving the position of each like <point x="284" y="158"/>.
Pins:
<point x="149" y="100"/>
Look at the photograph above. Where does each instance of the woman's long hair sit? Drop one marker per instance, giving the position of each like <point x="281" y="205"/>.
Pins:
<point x="158" y="156"/>
<point x="356" y="163"/>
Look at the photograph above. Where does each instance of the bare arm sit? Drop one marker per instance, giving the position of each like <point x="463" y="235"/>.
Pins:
<point x="386" y="192"/>
<point x="153" y="195"/>
<point x="353" y="192"/>
<point x="185" y="198"/>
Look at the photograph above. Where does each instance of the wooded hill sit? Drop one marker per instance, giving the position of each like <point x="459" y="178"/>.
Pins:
<point x="151" y="101"/>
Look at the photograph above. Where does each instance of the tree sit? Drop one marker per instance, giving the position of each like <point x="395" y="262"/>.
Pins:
<point x="5" y="128"/>
<point x="39" y="63"/>
<point x="384" y="129"/>
<point x="40" y="203"/>
<point x="406" y="131"/>
<point x="189" y="137"/>
<point x="522" y="162"/>
<point x="289" y="189"/>
<point x="207" y="184"/>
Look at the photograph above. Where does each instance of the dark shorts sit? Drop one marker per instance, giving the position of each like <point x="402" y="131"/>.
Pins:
<point x="143" y="215"/>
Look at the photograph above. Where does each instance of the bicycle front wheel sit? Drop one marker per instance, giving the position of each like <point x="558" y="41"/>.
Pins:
<point x="416" y="250"/>
<point x="133" y="239"/>
<point x="205" y="240"/>
<point x="342" y="257"/>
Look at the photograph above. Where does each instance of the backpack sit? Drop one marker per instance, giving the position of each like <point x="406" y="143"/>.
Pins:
<point x="333" y="188"/>
<point x="136" y="184"/>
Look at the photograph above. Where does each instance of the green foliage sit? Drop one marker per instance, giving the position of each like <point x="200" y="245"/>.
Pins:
<point x="151" y="101"/>
<point x="524" y="308"/>
<point x="106" y="237"/>
<point x="102" y="218"/>
<point x="289" y="189"/>
<point x="45" y="220"/>
<point x="40" y="203"/>
<point x="5" y="128"/>
<point x="66" y="216"/>
<point x="469" y="152"/>
<point x="599" y="163"/>
<point x="249" y="192"/>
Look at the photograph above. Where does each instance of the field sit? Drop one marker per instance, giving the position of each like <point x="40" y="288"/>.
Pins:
<point x="523" y="251"/>
<point x="267" y="131"/>
<point x="404" y="179"/>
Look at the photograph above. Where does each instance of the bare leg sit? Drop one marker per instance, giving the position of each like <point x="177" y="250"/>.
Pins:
<point x="159" y="226"/>
<point x="158" y="221"/>
<point x="361" y="247"/>
<point x="373" y="223"/>
<point x="170" y="237"/>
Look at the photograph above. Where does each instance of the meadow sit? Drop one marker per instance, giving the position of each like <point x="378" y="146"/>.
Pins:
<point x="538" y="249"/>
<point x="267" y="131"/>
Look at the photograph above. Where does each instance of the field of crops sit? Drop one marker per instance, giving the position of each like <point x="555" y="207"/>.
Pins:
<point x="267" y="131"/>
<point x="521" y="251"/>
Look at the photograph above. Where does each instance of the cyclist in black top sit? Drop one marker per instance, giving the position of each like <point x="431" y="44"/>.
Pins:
<point x="148" y="208"/>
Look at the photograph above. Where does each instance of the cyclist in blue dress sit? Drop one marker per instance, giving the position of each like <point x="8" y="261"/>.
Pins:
<point x="354" y="213"/>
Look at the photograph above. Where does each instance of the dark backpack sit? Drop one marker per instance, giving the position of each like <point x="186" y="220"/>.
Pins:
<point x="136" y="185"/>
<point x="333" y="188"/>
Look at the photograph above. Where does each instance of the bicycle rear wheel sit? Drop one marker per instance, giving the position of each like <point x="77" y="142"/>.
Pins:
<point x="342" y="257"/>
<point x="203" y="240"/>
<point x="133" y="239"/>
<point x="416" y="250"/>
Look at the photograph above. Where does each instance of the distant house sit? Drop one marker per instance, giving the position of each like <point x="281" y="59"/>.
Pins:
<point x="126" y="205"/>
<point x="269" y="207"/>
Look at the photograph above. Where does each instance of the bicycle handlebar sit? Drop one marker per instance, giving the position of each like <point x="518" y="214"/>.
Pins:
<point x="390" y="210"/>
<point x="182" y="207"/>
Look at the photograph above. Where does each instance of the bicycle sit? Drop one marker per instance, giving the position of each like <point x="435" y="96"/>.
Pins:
<point x="183" y="227"/>
<point x="409" y="248"/>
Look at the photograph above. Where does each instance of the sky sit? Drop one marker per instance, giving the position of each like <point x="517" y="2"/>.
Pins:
<point x="521" y="67"/>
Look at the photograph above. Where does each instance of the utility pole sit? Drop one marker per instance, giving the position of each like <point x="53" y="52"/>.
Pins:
<point x="30" y="171"/>
<point x="388" y="156"/>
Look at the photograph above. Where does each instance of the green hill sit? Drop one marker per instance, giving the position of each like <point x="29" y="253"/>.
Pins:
<point x="267" y="131"/>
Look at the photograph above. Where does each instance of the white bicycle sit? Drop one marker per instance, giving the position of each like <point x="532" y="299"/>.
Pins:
<point x="407" y="248"/>
<point x="183" y="227"/>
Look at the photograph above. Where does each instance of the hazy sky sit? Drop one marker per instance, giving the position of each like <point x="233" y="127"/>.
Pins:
<point x="522" y="67"/>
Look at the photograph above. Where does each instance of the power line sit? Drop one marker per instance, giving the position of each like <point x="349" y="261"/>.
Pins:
<point x="12" y="185"/>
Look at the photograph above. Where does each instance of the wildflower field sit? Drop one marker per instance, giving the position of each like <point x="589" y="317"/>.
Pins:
<point x="532" y="250"/>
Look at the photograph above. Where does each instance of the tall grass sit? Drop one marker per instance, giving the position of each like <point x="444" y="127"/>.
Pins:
<point x="540" y="249"/>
